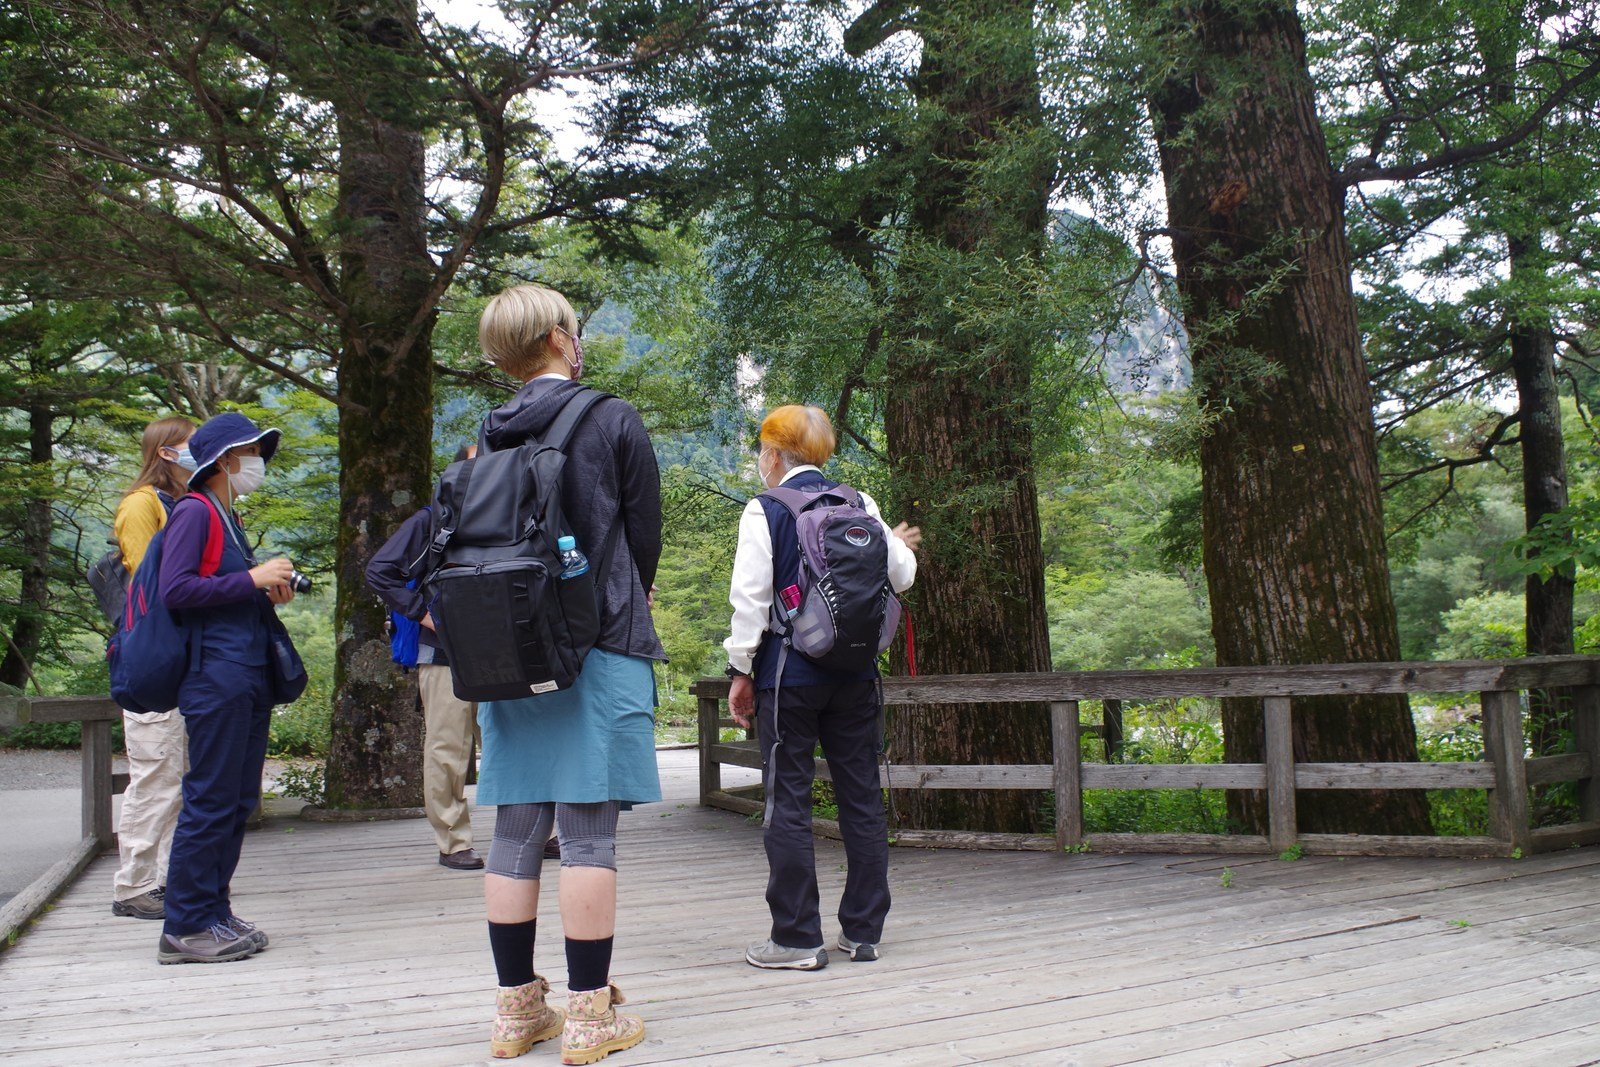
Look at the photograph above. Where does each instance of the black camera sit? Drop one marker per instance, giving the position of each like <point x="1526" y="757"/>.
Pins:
<point x="299" y="583"/>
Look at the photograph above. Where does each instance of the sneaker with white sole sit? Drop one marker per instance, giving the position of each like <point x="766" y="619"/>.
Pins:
<point x="858" y="951"/>
<point x="775" y="957"/>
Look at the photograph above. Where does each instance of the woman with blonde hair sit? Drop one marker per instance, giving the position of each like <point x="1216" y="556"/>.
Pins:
<point x="797" y="702"/>
<point x="569" y="759"/>
<point x="156" y="743"/>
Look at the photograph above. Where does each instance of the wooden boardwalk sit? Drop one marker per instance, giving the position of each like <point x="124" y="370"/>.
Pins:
<point x="379" y="956"/>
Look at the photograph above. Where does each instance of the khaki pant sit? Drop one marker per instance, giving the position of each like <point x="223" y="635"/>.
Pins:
<point x="451" y="725"/>
<point x="158" y="756"/>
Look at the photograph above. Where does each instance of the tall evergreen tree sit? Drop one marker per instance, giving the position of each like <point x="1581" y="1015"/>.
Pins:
<point x="307" y="179"/>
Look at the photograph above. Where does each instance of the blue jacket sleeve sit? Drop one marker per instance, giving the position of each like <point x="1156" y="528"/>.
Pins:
<point x="180" y="583"/>
<point x="390" y="569"/>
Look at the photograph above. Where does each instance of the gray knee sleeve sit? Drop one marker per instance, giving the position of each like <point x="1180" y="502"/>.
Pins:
<point x="588" y="834"/>
<point x="520" y="831"/>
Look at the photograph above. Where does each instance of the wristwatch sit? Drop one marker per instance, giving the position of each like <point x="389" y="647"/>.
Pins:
<point x="734" y="672"/>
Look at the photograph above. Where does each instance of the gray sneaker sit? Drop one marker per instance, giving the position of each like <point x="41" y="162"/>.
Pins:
<point x="776" y="957"/>
<point x="248" y="929"/>
<point x="144" y="906"/>
<point x="217" y="944"/>
<point x="858" y="951"/>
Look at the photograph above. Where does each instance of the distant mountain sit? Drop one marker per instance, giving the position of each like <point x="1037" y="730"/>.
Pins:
<point x="1148" y="354"/>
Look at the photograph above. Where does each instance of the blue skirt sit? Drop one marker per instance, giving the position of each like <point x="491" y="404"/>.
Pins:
<point x="593" y="742"/>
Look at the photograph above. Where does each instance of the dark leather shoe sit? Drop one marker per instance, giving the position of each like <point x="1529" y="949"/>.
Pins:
<point x="552" y="849"/>
<point x="465" y="860"/>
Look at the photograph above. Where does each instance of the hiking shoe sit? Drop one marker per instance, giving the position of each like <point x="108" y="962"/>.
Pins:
<point x="465" y="860"/>
<point x="248" y="929"/>
<point x="775" y="957"/>
<point x="144" y="906"/>
<point x="216" y="944"/>
<point x="858" y="951"/>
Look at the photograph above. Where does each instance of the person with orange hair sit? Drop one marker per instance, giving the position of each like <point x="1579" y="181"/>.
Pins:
<point x="797" y="702"/>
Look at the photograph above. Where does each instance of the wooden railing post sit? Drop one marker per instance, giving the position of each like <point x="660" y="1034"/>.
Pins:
<point x="1281" y="827"/>
<point x="1586" y="740"/>
<point x="710" y="734"/>
<point x="1068" y="761"/>
<point x="1503" y="743"/>
<point x="97" y="781"/>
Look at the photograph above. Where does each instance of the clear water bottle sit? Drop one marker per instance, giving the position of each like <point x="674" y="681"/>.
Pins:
<point x="573" y="562"/>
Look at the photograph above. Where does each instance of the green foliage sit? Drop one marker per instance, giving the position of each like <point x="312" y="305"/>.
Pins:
<point x="304" y="780"/>
<point x="302" y="728"/>
<point x="1292" y="853"/>
<point x="1226" y="880"/>
<point x="1154" y="811"/>
<point x="1121" y="621"/>
<point x="1484" y="626"/>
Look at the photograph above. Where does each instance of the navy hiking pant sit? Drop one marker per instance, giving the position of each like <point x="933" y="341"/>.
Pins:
<point x="227" y="710"/>
<point x="845" y="719"/>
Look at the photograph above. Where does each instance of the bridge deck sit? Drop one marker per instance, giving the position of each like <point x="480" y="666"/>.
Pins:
<point x="379" y="956"/>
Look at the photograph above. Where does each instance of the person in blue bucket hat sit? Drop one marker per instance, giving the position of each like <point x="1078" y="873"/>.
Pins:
<point x="210" y="580"/>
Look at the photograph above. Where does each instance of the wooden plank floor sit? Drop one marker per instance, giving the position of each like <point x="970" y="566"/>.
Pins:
<point x="379" y="956"/>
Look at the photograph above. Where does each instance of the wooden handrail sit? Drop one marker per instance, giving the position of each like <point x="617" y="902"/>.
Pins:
<point x="99" y="784"/>
<point x="1334" y="679"/>
<point x="1506" y="773"/>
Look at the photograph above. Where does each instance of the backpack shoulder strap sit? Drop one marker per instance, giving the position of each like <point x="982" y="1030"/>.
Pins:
<point x="572" y="413"/>
<point x="798" y="502"/>
<point x="211" y="558"/>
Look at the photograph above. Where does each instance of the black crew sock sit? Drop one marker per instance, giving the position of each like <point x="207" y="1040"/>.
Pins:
<point x="512" y="945"/>
<point x="588" y="964"/>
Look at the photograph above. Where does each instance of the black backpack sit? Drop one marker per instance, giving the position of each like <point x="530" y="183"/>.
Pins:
<point x="509" y="623"/>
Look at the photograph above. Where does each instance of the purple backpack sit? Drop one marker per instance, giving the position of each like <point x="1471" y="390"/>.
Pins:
<point x="847" y="613"/>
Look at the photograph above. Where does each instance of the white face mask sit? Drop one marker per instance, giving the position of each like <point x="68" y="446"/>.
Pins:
<point x="248" y="478"/>
<point x="761" y="472"/>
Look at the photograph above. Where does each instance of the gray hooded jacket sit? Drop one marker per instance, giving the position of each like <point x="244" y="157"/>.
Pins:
<point x="611" y="477"/>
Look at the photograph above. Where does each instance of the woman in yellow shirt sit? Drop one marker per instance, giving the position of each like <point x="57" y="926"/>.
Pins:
<point x="156" y="742"/>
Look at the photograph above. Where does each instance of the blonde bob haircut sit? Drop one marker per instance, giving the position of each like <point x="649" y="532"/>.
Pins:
<point x="800" y="433"/>
<point x="514" y="331"/>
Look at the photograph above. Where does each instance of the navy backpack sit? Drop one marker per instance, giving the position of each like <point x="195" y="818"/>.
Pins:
<point x="152" y="650"/>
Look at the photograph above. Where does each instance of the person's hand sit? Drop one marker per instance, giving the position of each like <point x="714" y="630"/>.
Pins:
<point x="650" y="596"/>
<point x="426" y="622"/>
<point x="911" y="535"/>
<point x="271" y="573"/>
<point x="742" y="700"/>
<point x="279" y="594"/>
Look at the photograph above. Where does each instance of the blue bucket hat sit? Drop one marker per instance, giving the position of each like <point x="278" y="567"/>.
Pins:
<point x="225" y="431"/>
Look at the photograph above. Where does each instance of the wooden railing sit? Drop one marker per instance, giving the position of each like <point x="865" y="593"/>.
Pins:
<point x="1506" y="774"/>
<point x="97" y="714"/>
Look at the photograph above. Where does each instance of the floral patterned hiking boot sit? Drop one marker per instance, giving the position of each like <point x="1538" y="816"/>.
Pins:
<point x="594" y="1029"/>
<point x="522" y="1019"/>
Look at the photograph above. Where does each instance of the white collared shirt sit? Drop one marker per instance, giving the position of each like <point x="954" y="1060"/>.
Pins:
<point x="750" y="592"/>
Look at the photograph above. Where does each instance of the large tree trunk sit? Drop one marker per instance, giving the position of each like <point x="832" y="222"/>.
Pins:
<point x="385" y="444"/>
<point x="958" y="420"/>
<point x="1294" y="542"/>
<point x="22" y="645"/>
<point x="1547" y="602"/>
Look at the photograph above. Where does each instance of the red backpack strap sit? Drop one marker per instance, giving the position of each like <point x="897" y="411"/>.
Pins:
<point x="211" y="558"/>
